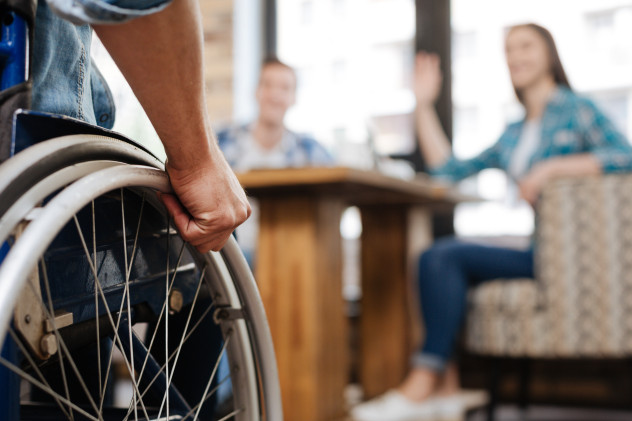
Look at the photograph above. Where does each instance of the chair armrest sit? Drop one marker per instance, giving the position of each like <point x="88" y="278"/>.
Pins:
<point x="584" y="239"/>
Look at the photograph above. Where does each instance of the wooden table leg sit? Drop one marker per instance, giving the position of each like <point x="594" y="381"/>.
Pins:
<point x="299" y="274"/>
<point x="387" y="321"/>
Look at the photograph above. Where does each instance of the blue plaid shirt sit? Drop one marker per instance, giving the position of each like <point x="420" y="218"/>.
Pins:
<point x="570" y="125"/>
<point x="299" y="150"/>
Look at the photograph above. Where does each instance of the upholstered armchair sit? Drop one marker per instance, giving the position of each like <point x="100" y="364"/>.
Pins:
<point x="580" y="304"/>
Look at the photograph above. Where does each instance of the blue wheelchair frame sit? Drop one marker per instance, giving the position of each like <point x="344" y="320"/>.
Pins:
<point x="14" y="56"/>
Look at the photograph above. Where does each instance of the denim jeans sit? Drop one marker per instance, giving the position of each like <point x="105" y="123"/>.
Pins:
<point x="446" y="271"/>
<point x="65" y="81"/>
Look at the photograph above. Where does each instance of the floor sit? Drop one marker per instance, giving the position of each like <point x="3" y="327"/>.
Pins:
<point x="543" y="413"/>
<point x="503" y="413"/>
<point x="534" y="413"/>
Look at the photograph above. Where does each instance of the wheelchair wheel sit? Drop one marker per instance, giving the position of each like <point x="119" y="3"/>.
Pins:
<point x="96" y="272"/>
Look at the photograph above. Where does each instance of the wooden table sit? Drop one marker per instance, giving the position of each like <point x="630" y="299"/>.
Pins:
<point x="299" y="271"/>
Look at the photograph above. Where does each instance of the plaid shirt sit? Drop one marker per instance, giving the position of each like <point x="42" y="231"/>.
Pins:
<point x="570" y="125"/>
<point x="299" y="150"/>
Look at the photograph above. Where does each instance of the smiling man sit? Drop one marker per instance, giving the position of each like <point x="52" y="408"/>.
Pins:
<point x="267" y="143"/>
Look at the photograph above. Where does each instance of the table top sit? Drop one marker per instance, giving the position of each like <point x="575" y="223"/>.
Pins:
<point x="353" y="185"/>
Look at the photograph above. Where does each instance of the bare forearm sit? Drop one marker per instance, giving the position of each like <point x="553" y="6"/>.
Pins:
<point x="167" y="46"/>
<point x="563" y="166"/>
<point x="161" y="56"/>
<point x="573" y="166"/>
<point x="433" y="142"/>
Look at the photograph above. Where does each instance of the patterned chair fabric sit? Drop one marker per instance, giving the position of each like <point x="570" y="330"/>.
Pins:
<point x="580" y="305"/>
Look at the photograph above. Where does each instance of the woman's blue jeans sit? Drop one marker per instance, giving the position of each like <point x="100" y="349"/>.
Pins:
<point x="446" y="271"/>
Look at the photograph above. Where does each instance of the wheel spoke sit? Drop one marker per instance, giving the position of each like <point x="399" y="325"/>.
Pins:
<point x="61" y="357"/>
<point x="124" y="234"/>
<point x="186" y="327"/>
<point x="211" y="393"/>
<point x="99" y="291"/>
<point x="232" y="414"/>
<point x="127" y="277"/>
<point x="96" y="304"/>
<point x="153" y="336"/>
<point x="166" y="307"/>
<point x="28" y="356"/>
<point x="172" y="356"/>
<point x="128" y="269"/>
<point x="43" y="387"/>
<point x="206" y="395"/>
<point x="50" y="314"/>
<point x="140" y="220"/>
<point x="109" y="314"/>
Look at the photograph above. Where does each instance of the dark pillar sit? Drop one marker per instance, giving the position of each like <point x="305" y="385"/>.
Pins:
<point x="269" y="28"/>
<point x="434" y="35"/>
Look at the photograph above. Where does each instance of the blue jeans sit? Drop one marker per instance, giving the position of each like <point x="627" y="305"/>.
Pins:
<point x="446" y="271"/>
<point x="65" y="81"/>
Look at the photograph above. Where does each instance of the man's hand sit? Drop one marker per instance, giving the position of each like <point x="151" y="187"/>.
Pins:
<point x="161" y="56"/>
<point x="209" y="205"/>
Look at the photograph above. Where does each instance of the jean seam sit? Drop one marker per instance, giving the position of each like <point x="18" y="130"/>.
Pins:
<point x="82" y="75"/>
<point x="108" y="105"/>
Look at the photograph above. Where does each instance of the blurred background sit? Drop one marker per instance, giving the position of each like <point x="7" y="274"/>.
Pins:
<point x="354" y="63"/>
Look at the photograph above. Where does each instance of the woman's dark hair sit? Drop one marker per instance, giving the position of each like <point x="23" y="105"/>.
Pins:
<point x="559" y="75"/>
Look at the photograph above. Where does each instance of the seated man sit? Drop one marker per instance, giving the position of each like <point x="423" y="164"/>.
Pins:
<point x="154" y="44"/>
<point x="267" y="143"/>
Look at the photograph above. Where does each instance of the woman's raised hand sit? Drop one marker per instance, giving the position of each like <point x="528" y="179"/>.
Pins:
<point x="428" y="78"/>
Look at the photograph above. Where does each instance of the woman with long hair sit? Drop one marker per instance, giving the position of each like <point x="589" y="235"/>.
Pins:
<point x="562" y="134"/>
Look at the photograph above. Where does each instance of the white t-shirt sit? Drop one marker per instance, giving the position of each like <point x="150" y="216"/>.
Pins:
<point x="526" y="147"/>
<point x="255" y="156"/>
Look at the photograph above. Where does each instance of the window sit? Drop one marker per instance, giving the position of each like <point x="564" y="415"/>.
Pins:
<point x="465" y="127"/>
<point x="307" y="12"/>
<point x="464" y="45"/>
<point x="616" y="107"/>
<point x="392" y="64"/>
<point x="338" y="6"/>
<point x="359" y="76"/>
<point x="601" y="23"/>
<point x="608" y="35"/>
<point x="339" y="72"/>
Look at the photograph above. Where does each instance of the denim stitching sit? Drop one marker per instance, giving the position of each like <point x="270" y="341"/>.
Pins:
<point x="82" y="63"/>
<point x="101" y="11"/>
<point x="110" y="106"/>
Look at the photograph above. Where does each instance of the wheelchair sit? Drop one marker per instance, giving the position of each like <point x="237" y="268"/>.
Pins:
<point x="97" y="285"/>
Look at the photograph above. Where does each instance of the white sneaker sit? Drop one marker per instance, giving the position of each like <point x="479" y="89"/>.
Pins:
<point x="393" y="406"/>
<point x="454" y="407"/>
<point x="450" y="409"/>
<point x="474" y="399"/>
